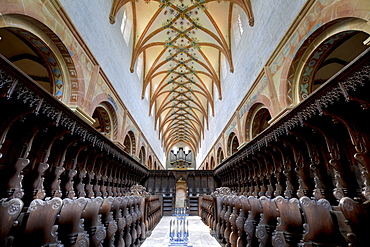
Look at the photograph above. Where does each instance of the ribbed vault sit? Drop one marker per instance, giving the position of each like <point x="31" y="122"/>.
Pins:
<point x="181" y="43"/>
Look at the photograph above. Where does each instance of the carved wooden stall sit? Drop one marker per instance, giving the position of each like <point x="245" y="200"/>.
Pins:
<point x="62" y="182"/>
<point x="304" y="180"/>
<point x="163" y="183"/>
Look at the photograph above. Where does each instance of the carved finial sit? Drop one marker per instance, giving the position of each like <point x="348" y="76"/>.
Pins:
<point x="138" y="190"/>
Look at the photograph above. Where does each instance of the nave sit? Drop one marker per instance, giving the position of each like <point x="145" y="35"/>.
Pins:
<point x="264" y="195"/>
<point x="199" y="233"/>
<point x="261" y="130"/>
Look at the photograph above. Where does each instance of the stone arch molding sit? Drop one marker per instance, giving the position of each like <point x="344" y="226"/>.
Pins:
<point x="220" y="155"/>
<point x="248" y="128"/>
<point x="231" y="140"/>
<point x="108" y="118"/>
<point x="150" y="162"/>
<point x="327" y="37"/>
<point x="58" y="56"/>
<point x="142" y="155"/>
<point x="130" y="142"/>
<point x="295" y="68"/>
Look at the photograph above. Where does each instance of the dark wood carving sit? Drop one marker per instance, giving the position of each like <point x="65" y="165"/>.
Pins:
<point x="38" y="223"/>
<point x="319" y="228"/>
<point x="289" y="228"/>
<point x="46" y="150"/>
<point x="252" y="220"/>
<point x="358" y="217"/>
<point x="93" y="224"/>
<point x="120" y="221"/>
<point x="71" y="224"/>
<point x="108" y="221"/>
<point x="268" y="221"/>
<point x="9" y="211"/>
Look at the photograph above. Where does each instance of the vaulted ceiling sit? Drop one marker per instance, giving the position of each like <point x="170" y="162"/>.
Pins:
<point x="181" y="44"/>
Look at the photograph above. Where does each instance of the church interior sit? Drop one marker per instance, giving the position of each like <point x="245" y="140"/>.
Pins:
<point x="251" y="115"/>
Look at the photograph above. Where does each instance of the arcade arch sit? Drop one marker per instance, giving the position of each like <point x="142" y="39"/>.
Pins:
<point x="333" y="53"/>
<point x="142" y="155"/>
<point x="220" y="155"/>
<point x="232" y="144"/>
<point x="105" y="120"/>
<point x="130" y="143"/>
<point x="40" y="53"/>
<point x="150" y="162"/>
<point x="324" y="53"/>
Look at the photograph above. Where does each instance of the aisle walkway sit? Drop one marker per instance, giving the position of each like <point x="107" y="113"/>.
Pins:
<point x="199" y="235"/>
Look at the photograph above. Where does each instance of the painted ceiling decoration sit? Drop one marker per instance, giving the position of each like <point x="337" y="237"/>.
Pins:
<point x="182" y="44"/>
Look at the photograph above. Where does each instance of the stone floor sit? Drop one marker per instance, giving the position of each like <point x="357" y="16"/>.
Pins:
<point x="199" y="234"/>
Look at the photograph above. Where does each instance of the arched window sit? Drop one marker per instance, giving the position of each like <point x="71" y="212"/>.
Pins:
<point x="126" y="22"/>
<point x="142" y="155"/>
<point x="232" y="143"/>
<point x="237" y="24"/>
<point x="130" y="143"/>
<point x="240" y="24"/>
<point x="220" y="155"/>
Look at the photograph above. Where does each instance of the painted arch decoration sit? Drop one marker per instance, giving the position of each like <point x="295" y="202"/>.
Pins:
<point x="182" y="44"/>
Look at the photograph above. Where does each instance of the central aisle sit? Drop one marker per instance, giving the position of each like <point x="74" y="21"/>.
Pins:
<point x="199" y="234"/>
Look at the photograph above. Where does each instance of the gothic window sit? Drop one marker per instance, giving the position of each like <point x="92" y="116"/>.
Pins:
<point x="130" y="143"/>
<point x="124" y="20"/>
<point x="237" y="26"/>
<point x="240" y="24"/>
<point x="126" y="23"/>
<point x="224" y="66"/>
<point x="139" y="66"/>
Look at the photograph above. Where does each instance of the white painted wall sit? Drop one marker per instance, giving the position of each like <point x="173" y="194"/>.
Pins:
<point x="272" y="19"/>
<point x="91" y="18"/>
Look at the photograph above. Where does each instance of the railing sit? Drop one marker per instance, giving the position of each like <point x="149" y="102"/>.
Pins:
<point x="347" y="80"/>
<point x="305" y="179"/>
<point x="63" y="182"/>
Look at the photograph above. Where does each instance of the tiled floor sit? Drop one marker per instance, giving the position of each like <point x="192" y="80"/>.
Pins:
<point x="199" y="235"/>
